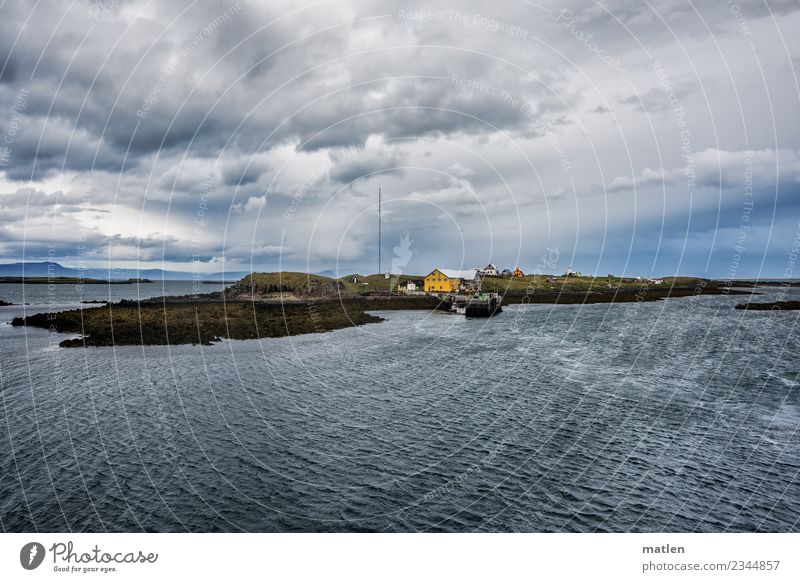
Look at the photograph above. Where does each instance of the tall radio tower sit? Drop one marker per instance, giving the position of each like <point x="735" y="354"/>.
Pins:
<point x="379" y="230"/>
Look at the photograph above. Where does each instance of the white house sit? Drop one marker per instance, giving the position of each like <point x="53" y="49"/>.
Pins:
<point x="411" y="286"/>
<point x="490" y="270"/>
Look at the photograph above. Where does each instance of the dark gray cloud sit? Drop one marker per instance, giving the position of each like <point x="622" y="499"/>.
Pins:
<point x="260" y="131"/>
<point x="213" y="77"/>
<point x="347" y="171"/>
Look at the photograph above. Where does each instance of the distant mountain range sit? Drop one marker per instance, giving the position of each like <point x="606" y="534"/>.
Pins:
<point x="46" y="268"/>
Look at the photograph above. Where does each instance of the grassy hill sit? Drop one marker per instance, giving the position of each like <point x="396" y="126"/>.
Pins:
<point x="300" y="285"/>
<point x="379" y="283"/>
<point x="303" y="285"/>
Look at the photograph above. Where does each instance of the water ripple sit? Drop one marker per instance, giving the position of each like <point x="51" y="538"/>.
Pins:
<point x="673" y="416"/>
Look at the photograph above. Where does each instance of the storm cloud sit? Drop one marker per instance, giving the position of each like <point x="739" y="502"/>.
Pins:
<point x="249" y="133"/>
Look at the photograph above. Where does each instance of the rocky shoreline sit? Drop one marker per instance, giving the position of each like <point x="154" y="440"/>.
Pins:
<point x="151" y="323"/>
<point x="204" y="320"/>
<point x="771" y="306"/>
<point x="242" y="312"/>
<point x="616" y="296"/>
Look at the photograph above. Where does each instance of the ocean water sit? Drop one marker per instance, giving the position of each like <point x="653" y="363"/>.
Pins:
<point x="680" y="415"/>
<point x="41" y="297"/>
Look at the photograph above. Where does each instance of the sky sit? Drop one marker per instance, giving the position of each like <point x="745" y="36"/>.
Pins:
<point x="634" y="137"/>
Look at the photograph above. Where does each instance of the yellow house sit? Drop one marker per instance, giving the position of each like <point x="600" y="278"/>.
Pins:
<point x="518" y="272"/>
<point x="448" y="281"/>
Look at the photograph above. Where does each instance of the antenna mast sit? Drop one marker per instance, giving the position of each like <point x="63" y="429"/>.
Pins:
<point x="379" y="230"/>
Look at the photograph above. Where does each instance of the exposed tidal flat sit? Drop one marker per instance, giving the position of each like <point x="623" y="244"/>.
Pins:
<point x="156" y="323"/>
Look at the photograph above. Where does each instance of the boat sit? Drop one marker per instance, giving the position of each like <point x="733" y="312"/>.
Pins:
<point x="475" y="304"/>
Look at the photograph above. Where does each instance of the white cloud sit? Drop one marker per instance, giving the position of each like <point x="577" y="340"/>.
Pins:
<point x="284" y="119"/>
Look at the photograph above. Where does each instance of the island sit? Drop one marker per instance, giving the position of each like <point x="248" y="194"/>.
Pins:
<point x="264" y="305"/>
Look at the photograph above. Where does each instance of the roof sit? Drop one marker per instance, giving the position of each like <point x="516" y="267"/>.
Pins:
<point x="453" y="274"/>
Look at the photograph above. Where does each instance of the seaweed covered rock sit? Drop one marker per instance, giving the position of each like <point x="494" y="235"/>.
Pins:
<point x="150" y="323"/>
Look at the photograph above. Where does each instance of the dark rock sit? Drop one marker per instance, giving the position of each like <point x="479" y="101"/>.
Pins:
<point x="772" y="306"/>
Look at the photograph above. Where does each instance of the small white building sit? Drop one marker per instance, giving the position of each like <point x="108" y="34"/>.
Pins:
<point x="490" y="270"/>
<point x="410" y="286"/>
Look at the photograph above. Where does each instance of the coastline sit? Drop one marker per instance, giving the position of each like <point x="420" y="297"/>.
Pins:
<point x="242" y="313"/>
<point x="617" y="296"/>
<point x="771" y="306"/>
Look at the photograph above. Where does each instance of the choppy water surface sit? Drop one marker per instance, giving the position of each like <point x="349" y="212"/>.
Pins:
<point x="680" y="415"/>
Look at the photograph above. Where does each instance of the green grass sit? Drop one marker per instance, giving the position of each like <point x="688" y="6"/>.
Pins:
<point x="378" y="283"/>
<point x="301" y="284"/>
<point x="562" y="283"/>
<point x="311" y="286"/>
<point x="287" y="278"/>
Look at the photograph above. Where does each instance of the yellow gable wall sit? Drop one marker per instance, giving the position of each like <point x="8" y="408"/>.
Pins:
<point x="437" y="281"/>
